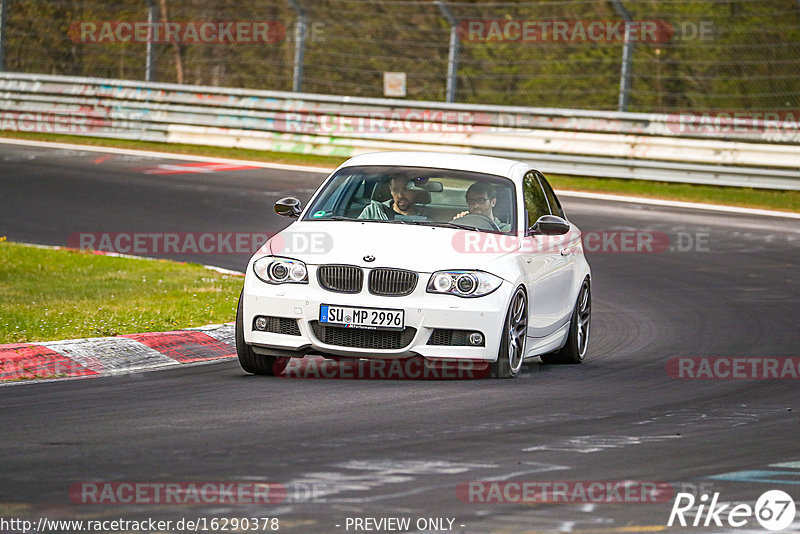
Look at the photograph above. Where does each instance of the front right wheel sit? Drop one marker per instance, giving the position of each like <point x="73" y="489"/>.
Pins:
<point x="574" y="350"/>
<point x="512" y="344"/>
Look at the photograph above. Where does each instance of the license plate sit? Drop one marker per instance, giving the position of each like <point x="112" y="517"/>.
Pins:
<point x="371" y="318"/>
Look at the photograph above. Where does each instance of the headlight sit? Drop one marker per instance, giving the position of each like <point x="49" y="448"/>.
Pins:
<point x="274" y="270"/>
<point x="463" y="283"/>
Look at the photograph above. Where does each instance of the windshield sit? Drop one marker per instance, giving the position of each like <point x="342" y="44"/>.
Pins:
<point x="418" y="195"/>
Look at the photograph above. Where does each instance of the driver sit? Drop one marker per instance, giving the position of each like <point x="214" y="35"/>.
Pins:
<point x="481" y="198"/>
<point x="403" y="202"/>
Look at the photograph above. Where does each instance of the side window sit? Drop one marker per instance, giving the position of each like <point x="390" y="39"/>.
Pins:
<point x="555" y="205"/>
<point x="329" y="202"/>
<point x="535" y="201"/>
<point x="353" y="200"/>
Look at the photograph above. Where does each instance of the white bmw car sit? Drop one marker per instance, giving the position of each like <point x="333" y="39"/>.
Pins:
<point x="447" y="257"/>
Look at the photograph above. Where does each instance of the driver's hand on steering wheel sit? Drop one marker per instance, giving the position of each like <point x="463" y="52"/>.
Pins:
<point x="461" y="214"/>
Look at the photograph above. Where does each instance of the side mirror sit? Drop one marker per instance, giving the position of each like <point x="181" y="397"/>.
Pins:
<point x="288" y="207"/>
<point x="549" y="225"/>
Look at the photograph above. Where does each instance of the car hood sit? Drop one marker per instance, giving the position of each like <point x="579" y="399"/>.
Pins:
<point x="404" y="246"/>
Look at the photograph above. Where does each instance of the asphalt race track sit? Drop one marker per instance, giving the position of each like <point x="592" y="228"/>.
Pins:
<point x="383" y="448"/>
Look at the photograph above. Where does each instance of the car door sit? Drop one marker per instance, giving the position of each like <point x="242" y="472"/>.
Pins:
<point x="569" y="247"/>
<point x="548" y="263"/>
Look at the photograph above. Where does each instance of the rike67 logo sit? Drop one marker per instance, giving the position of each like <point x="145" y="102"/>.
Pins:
<point x="774" y="510"/>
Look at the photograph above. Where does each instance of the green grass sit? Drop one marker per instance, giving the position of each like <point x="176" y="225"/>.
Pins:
<point x="62" y="294"/>
<point x="733" y="196"/>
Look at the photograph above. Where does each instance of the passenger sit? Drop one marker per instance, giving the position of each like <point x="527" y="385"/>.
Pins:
<point x="403" y="202"/>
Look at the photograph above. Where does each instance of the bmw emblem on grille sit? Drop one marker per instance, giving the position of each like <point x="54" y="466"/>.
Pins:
<point x="369" y="257"/>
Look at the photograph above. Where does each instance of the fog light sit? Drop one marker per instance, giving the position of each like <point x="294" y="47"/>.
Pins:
<point x="261" y="323"/>
<point x="476" y="338"/>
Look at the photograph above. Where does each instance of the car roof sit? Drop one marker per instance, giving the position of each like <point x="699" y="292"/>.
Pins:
<point x="438" y="160"/>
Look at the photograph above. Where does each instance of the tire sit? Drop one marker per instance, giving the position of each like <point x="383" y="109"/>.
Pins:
<point x="253" y="363"/>
<point x="574" y="350"/>
<point x="512" y="345"/>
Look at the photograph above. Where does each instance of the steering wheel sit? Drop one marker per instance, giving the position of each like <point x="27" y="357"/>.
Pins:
<point x="477" y="220"/>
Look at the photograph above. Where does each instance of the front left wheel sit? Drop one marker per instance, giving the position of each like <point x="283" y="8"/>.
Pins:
<point x="512" y="344"/>
<point x="253" y="363"/>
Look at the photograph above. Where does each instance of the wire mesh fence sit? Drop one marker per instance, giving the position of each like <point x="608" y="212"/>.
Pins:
<point x="662" y="55"/>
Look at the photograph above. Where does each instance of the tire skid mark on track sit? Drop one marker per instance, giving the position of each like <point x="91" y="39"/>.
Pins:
<point x="621" y="331"/>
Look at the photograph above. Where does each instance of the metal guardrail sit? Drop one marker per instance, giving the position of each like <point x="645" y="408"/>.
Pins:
<point x="735" y="152"/>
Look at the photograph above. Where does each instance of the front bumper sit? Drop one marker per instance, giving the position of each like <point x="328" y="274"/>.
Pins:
<point x="424" y="312"/>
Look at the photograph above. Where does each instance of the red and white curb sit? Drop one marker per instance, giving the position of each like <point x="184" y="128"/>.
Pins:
<point x="103" y="356"/>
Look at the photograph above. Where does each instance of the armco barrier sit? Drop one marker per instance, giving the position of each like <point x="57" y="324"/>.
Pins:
<point x="580" y="142"/>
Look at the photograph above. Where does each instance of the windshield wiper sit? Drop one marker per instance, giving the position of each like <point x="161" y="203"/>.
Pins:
<point x="367" y="220"/>
<point x="446" y="224"/>
<point x="331" y="218"/>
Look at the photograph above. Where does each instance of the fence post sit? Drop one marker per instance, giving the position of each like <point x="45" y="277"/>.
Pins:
<point x="452" y="58"/>
<point x="150" y="65"/>
<point x="3" y="10"/>
<point x="627" y="55"/>
<point x="299" y="45"/>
